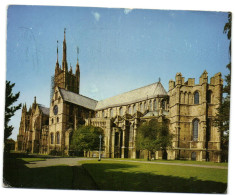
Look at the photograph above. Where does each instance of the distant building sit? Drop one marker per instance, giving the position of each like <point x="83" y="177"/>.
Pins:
<point x="189" y="107"/>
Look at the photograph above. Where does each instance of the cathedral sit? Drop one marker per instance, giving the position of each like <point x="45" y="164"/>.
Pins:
<point x="189" y="108"/>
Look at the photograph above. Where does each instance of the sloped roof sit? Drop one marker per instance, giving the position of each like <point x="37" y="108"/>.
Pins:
<point x="149" y="91"/>
<point x="44" y="109"/>
<point x="78" y="99"/>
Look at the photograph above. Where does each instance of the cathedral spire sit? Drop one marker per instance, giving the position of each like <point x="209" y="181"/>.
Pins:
<point x="57" y="51"/>
<point x="77" y="72"/>
<point x="57" y="61"/>
<point x="64" y="62"/>
<point x="77" y="65"/>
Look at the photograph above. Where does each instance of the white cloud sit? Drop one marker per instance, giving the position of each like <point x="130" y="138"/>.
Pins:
<point x="96" y="15"/>
<point x="127" y="10"/>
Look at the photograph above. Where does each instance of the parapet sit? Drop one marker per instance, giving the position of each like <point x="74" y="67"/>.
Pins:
<point x="179" y="80"/>
<point x="216" y="79"/>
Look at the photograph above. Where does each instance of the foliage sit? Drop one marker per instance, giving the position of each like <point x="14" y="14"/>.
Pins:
<point x="86" y="138"/>
<point x="223" y="114"/>
<point x="153" y="136"/>
<point x="9" y="109"/>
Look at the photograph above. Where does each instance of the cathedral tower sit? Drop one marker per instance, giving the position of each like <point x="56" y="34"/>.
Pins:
<point x="63" y="78"/>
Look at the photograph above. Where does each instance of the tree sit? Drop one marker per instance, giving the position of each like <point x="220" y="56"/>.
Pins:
<point x="86" y="138"/>
<point x="223" y="112"/>
<point x="9" y="108"/>
<point x="153" y="136"/>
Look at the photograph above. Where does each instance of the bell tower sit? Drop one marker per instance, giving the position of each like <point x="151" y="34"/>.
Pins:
<point x="63" y="78"/>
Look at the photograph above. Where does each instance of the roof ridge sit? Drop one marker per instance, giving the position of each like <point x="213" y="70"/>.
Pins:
<point x="77" y="94"/>
<point x="129" y="91"/>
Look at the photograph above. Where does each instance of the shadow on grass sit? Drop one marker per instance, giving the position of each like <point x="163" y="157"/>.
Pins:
<point x="101" y="176"/>
<point x="17" y="174"/>
<point x="108" y="177"/>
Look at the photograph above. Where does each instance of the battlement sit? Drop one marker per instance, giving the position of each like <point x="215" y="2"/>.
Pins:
<point x="179" y="80"/>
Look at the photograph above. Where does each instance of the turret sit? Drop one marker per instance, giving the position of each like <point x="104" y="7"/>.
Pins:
<point x="171" y="84"/>
<point x="24" y="108"/>
<point x="178" y="79"/>
<point x="203" y="78"/>
<point x="71" y="70"/>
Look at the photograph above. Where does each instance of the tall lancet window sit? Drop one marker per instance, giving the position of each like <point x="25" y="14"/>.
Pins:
<point x="155" y="105"/>
<point x="57" y="138"/>
<point x="196" y="97"/>
<point x="195" y="129"/>
<point x="163" y="104"/>
<point x="52" y="138"/>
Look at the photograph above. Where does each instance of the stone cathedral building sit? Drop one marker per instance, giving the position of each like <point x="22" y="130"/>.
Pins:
<point x="189" y="108"/>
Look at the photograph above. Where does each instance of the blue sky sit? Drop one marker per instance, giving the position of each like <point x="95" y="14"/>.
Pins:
<point x="120" y="49"/>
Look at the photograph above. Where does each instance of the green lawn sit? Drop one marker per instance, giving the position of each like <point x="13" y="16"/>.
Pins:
<point x="17" y="174"/>
<point x="115" y="175"/>
<point x="131" y="176"/>
<point x="179" y="161"/>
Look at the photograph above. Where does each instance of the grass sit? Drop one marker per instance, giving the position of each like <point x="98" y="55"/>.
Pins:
<point x="179" y="161"/>
<point x="128" y="176"/>
<point x="115" y="175"/>
<point x="17" y="174"/>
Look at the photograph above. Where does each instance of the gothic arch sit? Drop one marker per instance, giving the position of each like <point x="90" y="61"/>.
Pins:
<point x="57" y="137"/>
<point x="196" y="97"/>
<point x="195" y="129"/>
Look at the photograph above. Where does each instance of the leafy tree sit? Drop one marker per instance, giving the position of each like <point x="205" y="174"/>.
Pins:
<point x="222" y="117"/>
<point x="9" y="108"/>
<point x="153" y="136"/>
<point x="86" y="138"/>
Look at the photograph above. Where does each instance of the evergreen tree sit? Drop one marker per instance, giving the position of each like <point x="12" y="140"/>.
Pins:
<point x="223" y="114"/>
<point x="9" y="108"/>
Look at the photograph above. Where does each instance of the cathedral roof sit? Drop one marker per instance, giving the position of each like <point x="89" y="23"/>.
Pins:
<point x="44" y="110"/>
<point x="78" y="99"/>
<point x="140" y="94"/>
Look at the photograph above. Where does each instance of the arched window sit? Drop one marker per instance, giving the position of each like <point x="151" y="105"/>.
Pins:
<point x="52" y="121"/>
<point x="134" y="109"/>
<point x="196" y="97"/>
<point x="155" y="105"/>
<point x="195" y="129"/>
<point x="208" y="130"/>
<point x="130" y="110"/>
<point x="163" y="104"/>
<point x="57" y="138"/>
<point x="57" y="119"/>
<point x="102" y="113"/>
<point x="52" y="138"/>
<point x="208" y="96"/>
